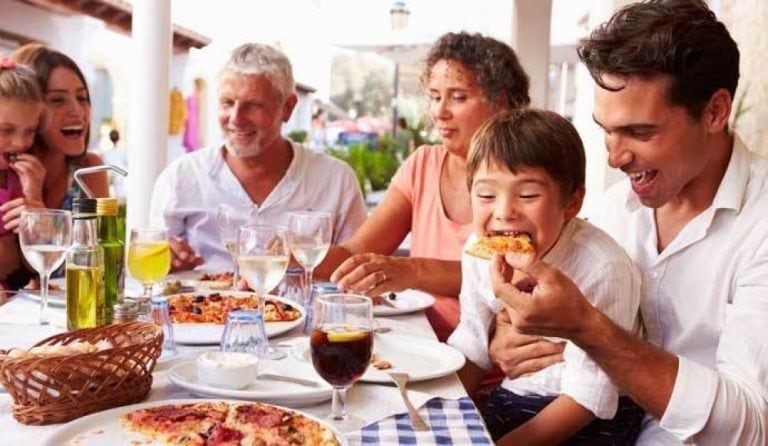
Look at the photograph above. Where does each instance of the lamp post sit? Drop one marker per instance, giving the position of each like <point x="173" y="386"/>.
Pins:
<point x="399" y="20"/>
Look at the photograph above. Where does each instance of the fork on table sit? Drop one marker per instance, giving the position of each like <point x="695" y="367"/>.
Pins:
<point x="401" y="379"/>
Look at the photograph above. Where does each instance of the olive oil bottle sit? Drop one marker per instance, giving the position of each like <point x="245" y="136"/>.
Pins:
<point x="114" y="260"/>
<point x="85" y="269"/>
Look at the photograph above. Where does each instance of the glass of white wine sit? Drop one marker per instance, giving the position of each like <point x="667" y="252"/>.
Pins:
<point x="263" y="258"/>
<point x="228" y="220"/>
<point x="149" y="257"/>
<point x="44" y="236"/>
<point x="309" y="236"/>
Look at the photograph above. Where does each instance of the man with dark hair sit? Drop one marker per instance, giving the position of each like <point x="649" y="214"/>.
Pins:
<point x="691" y="215"/>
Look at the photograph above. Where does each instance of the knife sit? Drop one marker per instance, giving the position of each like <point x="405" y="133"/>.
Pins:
<point x="289" y="379"/>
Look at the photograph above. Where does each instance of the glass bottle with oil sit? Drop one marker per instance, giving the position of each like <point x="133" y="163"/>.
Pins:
<point x="85" y="269"/>
<point x="114" y="262"/>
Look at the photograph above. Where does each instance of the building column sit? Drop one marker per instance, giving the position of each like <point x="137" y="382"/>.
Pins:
<point x="530" y="39"/>
<point x="148" y="126"/>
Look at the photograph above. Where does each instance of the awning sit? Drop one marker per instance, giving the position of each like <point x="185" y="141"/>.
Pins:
<point x="118" y="14"/>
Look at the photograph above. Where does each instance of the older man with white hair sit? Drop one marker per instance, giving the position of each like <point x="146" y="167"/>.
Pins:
<point x="255" y="165"/>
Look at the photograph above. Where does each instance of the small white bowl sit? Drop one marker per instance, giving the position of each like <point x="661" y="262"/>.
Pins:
<point x="230" y="370"/>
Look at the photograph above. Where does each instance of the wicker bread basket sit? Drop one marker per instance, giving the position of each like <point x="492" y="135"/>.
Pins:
<point x="55" y="389"/>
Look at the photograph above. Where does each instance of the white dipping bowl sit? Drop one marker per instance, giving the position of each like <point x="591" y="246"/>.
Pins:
<point x="229" y="370"/>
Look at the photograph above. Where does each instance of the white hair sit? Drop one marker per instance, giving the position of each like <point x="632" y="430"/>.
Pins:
<point x="258" y="59"/>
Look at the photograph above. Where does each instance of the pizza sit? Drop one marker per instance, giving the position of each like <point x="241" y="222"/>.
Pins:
<point x="216" y="281"/>
<point x="486" y="247"/>
<point x="215" y="423"/>
<point x="213" y="308"/>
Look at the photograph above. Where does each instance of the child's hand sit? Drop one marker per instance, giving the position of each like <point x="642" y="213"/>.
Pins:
<point x="11" y="211"/>
<point x="31" y="174"/>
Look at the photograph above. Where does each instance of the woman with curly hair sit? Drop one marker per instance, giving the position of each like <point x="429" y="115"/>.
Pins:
<point x="469" y="78"/>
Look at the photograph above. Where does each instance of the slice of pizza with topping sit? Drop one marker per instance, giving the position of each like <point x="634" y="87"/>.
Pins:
<point x="178" y="424"/>
<point x="502" y="243"/>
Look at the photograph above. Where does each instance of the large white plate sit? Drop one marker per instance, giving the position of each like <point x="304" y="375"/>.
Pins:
<point x="266" y="391"/>
<point x="407" y="301"/>
<point x="422" y="359"/>
<point x="103" y="428"/>
<point x="207" y="334"/>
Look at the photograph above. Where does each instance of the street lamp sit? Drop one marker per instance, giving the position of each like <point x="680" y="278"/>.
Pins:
<point x="399" y="15"/>
<point x="399" y="20"/>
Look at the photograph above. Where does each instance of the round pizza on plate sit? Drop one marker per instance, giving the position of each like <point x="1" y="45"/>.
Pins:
<point x="223" y="423"/>
<point x="213" y="308"/>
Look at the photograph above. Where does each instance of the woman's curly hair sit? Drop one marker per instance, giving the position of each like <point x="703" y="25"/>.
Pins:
<point x="497" y="71"/>
<point x="679" y="38"/>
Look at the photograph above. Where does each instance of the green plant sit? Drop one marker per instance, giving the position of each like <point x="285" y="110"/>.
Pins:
<point x="376" y="166"/>
<point x="299" y="136"/>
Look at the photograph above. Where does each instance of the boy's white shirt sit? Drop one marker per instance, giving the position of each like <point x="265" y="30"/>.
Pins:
<point x="604" y="274"/>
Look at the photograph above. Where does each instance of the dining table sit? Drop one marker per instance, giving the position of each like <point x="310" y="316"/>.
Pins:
<point x="378" y="407"/>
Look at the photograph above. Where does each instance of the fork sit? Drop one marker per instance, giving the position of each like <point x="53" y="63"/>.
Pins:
<point x="417" y="423"/>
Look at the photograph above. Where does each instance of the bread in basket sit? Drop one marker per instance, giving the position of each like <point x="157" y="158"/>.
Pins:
<point x="54" y="389"/>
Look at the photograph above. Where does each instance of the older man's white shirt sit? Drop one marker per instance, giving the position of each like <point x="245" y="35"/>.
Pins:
<point x="187" y="194"/>
<point x="705" y="299"/>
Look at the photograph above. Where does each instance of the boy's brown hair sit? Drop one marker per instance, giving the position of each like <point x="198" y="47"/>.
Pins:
<point x="530" y="138"/>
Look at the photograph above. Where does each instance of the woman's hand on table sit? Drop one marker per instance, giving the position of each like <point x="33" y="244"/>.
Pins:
<point x="518" y="354"/>
<point x="183" y="257"/>
<point x="374" y="274"/>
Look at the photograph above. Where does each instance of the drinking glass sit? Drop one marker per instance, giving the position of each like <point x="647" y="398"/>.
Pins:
<point x="149" y="257"/>
<point x="341" y="344"/>
<point x="44" y="236"/>
<point x="309" y="236"/>
<point x="162" y="317"/>
<point x="229" y="218"/>
<point x="263" y="258"/>
<point x="244" y="332"/>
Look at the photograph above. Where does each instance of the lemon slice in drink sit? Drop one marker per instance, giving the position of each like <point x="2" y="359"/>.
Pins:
<point x="154" y="249"/>
<point x="346" y="336"/>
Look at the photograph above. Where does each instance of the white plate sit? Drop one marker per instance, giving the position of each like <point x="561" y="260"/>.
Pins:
<point x="103" y="428"/>
<point x="407" y="301"/>
<point x="207" y="334"/>
<point x="266" y="391"/>
<point x="422" y="359"/>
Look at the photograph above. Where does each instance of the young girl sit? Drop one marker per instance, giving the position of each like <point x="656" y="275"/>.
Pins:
<point x="21" y="174"/>
<point x="62" y="140"/>
<point x="526" y="174"/>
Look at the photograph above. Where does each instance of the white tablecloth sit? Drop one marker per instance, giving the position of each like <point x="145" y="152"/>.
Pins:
<point x="370" y="402"/>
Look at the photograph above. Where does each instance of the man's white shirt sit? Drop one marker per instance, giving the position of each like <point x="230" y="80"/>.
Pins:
<point x="187" y="194"/>
<point x="705" y="299"/>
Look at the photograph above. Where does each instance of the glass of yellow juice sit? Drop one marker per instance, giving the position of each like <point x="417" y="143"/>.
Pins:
<point x="149" y="256"/>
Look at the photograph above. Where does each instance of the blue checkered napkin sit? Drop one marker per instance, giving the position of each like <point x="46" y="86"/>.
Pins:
<point x="452" y="422"/>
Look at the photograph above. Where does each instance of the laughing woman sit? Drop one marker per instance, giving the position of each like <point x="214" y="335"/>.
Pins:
<point x="62" y="141"/>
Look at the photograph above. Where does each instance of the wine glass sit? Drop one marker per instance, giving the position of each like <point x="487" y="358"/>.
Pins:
<point x="309" y="236"/>
<point x="263" y="259"/>
<point x="44" y="236"/>
<point x="149" y="257"/>
<point x="341" y="344"/>
<point x="228" y="220"/>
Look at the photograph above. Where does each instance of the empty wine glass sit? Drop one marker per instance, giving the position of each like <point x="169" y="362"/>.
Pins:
<point x="309" y="236"/>
<point x="44" y="236"/>
<point x="149" y="257"/>
<point x="341" y="344"/>
<point x="263" y="259"/>
<point x="229" y="218"/>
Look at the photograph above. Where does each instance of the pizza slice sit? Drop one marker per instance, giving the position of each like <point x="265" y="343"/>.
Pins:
<point x="178" y="424"/>
<point x="274" y="426"/>
<point x="517" y="242"/>
<point x="216" y="281"/>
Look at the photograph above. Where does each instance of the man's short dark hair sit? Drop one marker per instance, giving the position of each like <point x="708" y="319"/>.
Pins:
<point x="494" y="64"/>
<point x="530" y="137"/>
<point x="679" y="38"/>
